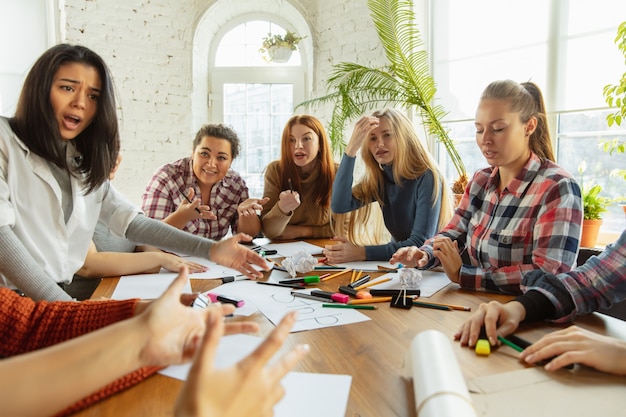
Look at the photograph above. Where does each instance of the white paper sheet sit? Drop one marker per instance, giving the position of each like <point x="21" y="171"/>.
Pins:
<point x="330" y="392"/>
<point x="275" y="302"/>
<point x="438" y="383"/>
<point x="431" y="282"/>
<point x="291" y="248"/>
<point x="148" y="286"/>
<point x="216" y="271"/>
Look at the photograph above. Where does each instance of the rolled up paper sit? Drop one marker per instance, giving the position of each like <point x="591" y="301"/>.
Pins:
<point x="438" y="383"/>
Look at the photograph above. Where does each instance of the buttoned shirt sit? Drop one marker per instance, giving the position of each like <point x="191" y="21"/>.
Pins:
<point x="30" y="203"/>
<point x="533" y="223"/>
<point x="171" y="182"/>
<point x="598" y="283"/>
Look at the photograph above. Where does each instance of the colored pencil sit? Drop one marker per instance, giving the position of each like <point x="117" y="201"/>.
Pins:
<point x="450" y="306"/>
<point x="335" y="275"/>
<point x="509" y="343"/>
<point x="370" y="300"/>
<point x="369" y="284"/>
<point x="430" y="305"/>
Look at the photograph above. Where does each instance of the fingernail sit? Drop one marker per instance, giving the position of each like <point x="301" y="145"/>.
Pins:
<point x="305" y="348"/>
<point x="492" y="341"/>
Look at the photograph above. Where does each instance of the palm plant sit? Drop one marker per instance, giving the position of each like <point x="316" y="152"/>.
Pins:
<point x="404" y="82"/>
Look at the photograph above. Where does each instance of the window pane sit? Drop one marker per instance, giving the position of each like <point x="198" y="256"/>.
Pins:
<point x="580" y="136"/>
<point x="240" y="46"/>
<point x="258" y="113"/>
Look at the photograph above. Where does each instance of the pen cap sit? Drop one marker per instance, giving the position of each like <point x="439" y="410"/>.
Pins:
<point x="344" y="289"/>
<point x="340" y="298"/>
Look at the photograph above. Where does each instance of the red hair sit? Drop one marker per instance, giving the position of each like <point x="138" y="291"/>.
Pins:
<point x="289" y="170"/>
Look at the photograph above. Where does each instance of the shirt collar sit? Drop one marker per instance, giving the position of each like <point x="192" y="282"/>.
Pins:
<point x="522" y="180"/>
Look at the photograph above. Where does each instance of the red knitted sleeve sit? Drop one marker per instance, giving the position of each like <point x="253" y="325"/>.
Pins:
<point x="26" y="325"/>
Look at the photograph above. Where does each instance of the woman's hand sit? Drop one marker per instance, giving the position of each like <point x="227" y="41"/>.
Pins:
<point x="447" y="251"/>
<point x="409" y="256"/>
<point x="173" y="330"/>
<point x="344" y="251"/>
<point x="496" y="318"/>
<point x="191" y="209"/>
<point x="229" y="253"/>
<point x="251" y="206"/>
<point x="288" y="201"/>
<point x="173" y="263"/>
<point x="575" y="345"/>
<point x="361" y="131"/>
<point x="249" y="388"/>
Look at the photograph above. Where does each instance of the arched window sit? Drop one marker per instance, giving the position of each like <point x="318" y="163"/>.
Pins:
<point x="254" y="96"/>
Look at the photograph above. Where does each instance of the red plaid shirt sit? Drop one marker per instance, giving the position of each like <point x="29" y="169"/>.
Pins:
<point x="534" y="223"/>
<point x="166" y="190"/>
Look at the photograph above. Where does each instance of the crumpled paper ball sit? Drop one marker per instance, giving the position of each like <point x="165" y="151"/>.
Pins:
<point x="301" y="262"/>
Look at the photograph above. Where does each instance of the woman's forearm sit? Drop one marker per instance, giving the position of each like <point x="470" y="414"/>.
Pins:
<point x="65" y="373"/>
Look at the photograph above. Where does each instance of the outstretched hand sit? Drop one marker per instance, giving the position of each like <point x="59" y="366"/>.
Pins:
<point x="249" y="388"/>
<point x="174" y="330"/>
<point x="229" y="253"/>
<point x="344" y="251"/>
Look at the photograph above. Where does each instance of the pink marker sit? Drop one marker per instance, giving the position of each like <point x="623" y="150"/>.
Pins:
<point x="225" y="299"/>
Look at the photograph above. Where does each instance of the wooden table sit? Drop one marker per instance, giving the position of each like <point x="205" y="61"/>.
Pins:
<point x="372" y="352"/>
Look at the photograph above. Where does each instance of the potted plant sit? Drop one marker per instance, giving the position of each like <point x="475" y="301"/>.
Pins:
<point x="594" y="206"/>
<point x="405" y="81"/>
<point x="278" y="48"/>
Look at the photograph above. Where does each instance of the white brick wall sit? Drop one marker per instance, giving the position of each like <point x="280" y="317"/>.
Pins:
<point x="148" y="46"/>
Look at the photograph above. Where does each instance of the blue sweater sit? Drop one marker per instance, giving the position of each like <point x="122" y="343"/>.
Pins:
<point x="408" y="209"/>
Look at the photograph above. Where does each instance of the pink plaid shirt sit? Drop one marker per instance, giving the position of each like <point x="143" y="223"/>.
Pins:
<point x="165" y="192"/>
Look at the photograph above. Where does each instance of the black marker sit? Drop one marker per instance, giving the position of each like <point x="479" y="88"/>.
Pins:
<point x="226" y="280"/>
<point x="359" y="282"/>
<point x="276" y="284"/>
<point x="191" y="202"/>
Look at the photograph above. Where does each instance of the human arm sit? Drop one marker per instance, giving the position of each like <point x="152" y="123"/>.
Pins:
<point x="274" y="216"/>
<point x="110" y="264"/>
<point x="248" y="220"/>
<point x="249" y="388"/>
<point x="576" y="345"/>
<point x="168" y="198"/>
<point x="598" y="283"/>
<point x="18" y="265"/>
<point x="411" y="212"/>
<point x="226" y="252"/>
<point x="537" y="229"/>
<point x="166" y="333"/>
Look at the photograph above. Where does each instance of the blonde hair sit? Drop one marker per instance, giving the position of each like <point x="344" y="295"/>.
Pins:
<point x="411" y="160"/>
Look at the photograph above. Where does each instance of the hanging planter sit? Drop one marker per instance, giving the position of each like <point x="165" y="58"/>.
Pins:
<point x="279" y="54"/>
<point x="278" y="48"/>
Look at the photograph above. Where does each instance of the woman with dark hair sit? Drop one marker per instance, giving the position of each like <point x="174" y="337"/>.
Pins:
<point x="222" y="201"/>
<point x="56" y="155"/>
<point x="522" y="214"/>
<point x="299" y="184"/>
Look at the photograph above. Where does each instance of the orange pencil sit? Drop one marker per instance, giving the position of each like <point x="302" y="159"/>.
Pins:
<point x="370" y="300"/>
<point x="335" y="275"/>
<point x="369" y="284"/>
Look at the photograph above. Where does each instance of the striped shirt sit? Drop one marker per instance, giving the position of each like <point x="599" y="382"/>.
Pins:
<point x="598" y="283"/>
<point x="171" y="182"/>
<point x="534" y="223"/>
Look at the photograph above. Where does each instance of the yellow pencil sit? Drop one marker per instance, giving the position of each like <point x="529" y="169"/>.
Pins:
<point x="369" y="284"/>
<point x="358" y="276"/>
<point x="335" y="275"/>
<point x="370" y="300"/>
<point x="352" y="277"/>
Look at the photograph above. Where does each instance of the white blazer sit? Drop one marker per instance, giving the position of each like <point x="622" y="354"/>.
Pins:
<point x="30" y="203"/>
